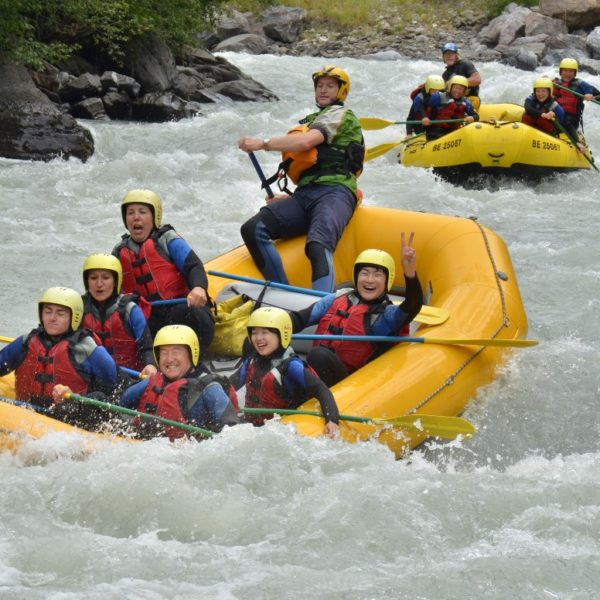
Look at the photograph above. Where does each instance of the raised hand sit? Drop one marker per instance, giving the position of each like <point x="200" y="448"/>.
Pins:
<point x="409" y="254"/>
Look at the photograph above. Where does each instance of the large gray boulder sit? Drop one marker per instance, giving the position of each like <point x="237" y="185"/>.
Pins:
<point x="536" y="24"/>
<point x="578" y="14"/>
<point x="593" y="42"/>
<point x="505" y="28"/>
<point x="250" y="43"/>
<point x="284" y="23"/>
<point x="231" y="25"/>
<point x="150" y="61"/>
<point x="31" y="126"/>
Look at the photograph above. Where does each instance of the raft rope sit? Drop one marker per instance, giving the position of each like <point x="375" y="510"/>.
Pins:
<point x="505" y="323"/>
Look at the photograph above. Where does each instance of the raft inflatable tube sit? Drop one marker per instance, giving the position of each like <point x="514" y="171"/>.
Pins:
<point x="465" y="270"/>
<point x="497" y="144"/>
<point x="18" y="423"/>
<point x="464" y="267"/>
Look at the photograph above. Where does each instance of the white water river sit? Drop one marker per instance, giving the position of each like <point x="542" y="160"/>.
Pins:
<point x="512" y="513"/>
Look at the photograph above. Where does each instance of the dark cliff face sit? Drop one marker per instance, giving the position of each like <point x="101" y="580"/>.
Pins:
<point x="32" y="127"/>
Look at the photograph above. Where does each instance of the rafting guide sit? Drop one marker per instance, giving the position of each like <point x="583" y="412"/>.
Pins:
<point x="324" y="158"/>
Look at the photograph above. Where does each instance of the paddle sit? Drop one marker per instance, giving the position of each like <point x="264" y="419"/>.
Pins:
<point x="261" y="175"/>
<point x="6" y="340"/>
<point x="376" y="151"/>
<point x="562" y="87"/>
<point x="512" y="343"/>
<point x="429" y="315"/>
<point x="135" y="413"/>
<point x="574" y="142"/>
<point x="438" y="426"/>
<point x="372" y="123"/>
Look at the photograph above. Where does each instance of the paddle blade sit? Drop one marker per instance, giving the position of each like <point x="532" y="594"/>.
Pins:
<point x="444" y="427"/>
<point x="376" y="151"/>
<point x="373" y="123"/>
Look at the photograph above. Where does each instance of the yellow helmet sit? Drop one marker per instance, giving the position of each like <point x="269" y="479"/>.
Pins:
<point x="180" y="335"/>
<point x="543" y="82"/>
<point x="568" y="63"/>
<point x="434" y="82"/>
<point x="336" y="73"/>
<point x="63" y="296"/>
<point x="458" y="80"/>
<point x="272" y="318"/>
<point x="376" y="258"/>
<point x="108" y="262"/>
<point x="143" y="197"/>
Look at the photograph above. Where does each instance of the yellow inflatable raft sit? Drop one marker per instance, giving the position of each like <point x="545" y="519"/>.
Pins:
<point x="498" y="144"/>
<point x="465" y="269"/>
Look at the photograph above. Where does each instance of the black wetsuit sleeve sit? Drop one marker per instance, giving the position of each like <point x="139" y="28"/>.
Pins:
<point x="194" y="272"/>
<point x="413" y="300"/>
<point x="144" y="346"/>
<point x="571" y="131"/>
<point x="315" y="388"/>
<point x="300" y="318"/>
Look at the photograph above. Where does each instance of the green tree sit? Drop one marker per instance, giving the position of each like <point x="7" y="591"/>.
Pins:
<point x="32" y="31"/>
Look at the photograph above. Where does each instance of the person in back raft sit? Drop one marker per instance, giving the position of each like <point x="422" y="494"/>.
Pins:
<point x="183" y="389"/>
<point x="448" y="106"/>
<point x="455" y="65"/>
<point x="323" y="156"/>
<point x="158" y="264"/>
<point x="364" y="310"/>
<point x="570" y="102"/>
<point x="542" y="110"/>
<point x="114" y="318"/>
<point x="420" y="107"/>
<point x="59" y="356"/>
<point x="274" y="376"/>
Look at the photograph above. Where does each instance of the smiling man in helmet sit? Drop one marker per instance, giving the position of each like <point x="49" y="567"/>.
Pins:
<point x="59" y="356"/>
<point x="365" y="309"/>
<point x="565" y="84"/>
<point x="455" y="65"/>
<point x="323" y="156"/>
<point x="183" y="390"/>
<point x="158" y="264"/>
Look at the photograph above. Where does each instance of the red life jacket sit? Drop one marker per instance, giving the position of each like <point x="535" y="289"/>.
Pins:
<point x="267" y="390"/>
<point x="43" y="368"/>
<point x="148" y="270"/>
<point x="449" y="109"/>
<point x="114" y="332"/>
<point x="349" y="315"/>
<point x="164" y="399"/>
<point x="569" y="102"/>
<point x="540" y="123"/>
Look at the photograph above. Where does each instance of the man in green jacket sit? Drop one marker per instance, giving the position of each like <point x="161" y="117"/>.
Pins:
<point x="324" y="157"/>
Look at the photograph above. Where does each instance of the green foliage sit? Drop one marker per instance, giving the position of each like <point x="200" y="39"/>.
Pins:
<point x="495" y="7"/>
<point x="35" y="30"/>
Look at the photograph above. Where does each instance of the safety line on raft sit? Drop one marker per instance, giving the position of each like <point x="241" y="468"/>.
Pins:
<point x="505" y="323"/>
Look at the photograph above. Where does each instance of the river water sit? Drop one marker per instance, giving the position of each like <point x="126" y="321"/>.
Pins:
<point x="512" y="513"/>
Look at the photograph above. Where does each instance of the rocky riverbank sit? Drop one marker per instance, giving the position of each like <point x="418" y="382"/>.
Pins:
<point x="38" y="110"/>
<point x="522" y="37"/>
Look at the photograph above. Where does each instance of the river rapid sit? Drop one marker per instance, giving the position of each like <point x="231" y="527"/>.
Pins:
<point x="512" y="513"/>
